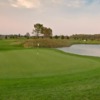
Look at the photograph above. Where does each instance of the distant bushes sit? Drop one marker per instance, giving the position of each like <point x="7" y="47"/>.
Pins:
<point x="91" y="37"/>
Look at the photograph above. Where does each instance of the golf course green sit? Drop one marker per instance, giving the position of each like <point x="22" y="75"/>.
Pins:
<point x="47" y="74"/>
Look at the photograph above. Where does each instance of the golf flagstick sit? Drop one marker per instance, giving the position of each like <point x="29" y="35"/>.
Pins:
<point x="37" y="48"/>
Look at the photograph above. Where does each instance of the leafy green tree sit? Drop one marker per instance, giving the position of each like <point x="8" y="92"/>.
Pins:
<point x="56" y="36"/>
<point x="47" y="32"/>
<point x="38" y="29"/>
<point x="62" y="36"/>
<point x="27" y="35"/>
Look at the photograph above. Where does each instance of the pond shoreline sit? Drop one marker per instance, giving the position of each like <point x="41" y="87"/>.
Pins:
<point x="83" y="49"/>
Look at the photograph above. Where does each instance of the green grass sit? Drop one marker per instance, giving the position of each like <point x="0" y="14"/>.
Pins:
<point x="48" y="74"/>
<point x="11" y="44"/>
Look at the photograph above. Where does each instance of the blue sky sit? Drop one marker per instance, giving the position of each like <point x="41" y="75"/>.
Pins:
<point x="63" y="16"/>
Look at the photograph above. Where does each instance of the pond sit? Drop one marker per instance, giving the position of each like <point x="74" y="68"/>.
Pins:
<point x="83" y="49"/>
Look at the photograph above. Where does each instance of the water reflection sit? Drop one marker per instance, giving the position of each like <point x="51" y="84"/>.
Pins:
<point x="83" y="49"/>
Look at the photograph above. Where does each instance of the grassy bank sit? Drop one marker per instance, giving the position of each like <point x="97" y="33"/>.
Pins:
<point x="48" y="74"/>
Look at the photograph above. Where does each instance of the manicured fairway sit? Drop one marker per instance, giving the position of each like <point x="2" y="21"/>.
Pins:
<point x="48" y="74"/>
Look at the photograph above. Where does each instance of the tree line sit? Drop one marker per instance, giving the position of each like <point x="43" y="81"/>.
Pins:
<point x="86" y="36"/>
<point x="75" y="36"/>
<point x="41" y="31"/>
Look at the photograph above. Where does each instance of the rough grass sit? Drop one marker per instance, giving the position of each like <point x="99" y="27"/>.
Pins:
<point x="54" y="43"/>
<point x="48" y="74"/>
<point x="46" y="42"/>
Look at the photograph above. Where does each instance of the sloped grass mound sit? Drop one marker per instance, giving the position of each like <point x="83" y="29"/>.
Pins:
<point x="48" y="74"/>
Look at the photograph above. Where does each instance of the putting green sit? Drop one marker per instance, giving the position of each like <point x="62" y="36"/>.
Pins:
<point x="42" y="62"/>
<point x="48" y="74"/>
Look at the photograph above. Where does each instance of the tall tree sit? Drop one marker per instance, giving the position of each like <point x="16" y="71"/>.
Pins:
<point x="38" y="29"/>
<point x="47" y="31"/>
<point x="27" y="35"/>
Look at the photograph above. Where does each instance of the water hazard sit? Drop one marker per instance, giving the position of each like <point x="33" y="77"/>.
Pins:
<point x="83" y="49"/>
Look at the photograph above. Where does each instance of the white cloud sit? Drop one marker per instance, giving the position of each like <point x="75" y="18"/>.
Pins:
<point x="25" y="3"/>
<point x="44" y="3"/>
